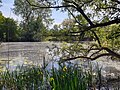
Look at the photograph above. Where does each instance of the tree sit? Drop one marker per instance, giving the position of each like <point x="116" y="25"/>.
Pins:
<point x="110" y="36"/>
<point x="92" y="14"/>
<point x="8" y="29"/>
<point x="2" y="19"/>
<point x="34" y="32"/>
<point x="34" y="20"/>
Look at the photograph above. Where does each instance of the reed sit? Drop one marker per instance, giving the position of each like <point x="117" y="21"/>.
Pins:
<point x="70" y="77"/>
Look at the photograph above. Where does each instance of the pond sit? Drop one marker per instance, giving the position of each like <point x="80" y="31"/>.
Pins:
<point x="35" y="52"/>
<point x="13" y="54"/>
<point x="24" y="52"/>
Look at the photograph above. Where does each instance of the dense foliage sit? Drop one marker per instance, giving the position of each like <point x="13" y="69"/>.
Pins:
<point x="92" y="20"/>
<point x="8" y="29"/>
<point x="35" y="21"/>
<point x="65" y="78"/>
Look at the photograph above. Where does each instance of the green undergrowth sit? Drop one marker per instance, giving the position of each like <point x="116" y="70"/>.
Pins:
<point x="71" y="77"/>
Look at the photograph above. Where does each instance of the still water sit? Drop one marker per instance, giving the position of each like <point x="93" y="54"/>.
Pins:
<point x="13" y="54"/>
<point x="19" y="53"/>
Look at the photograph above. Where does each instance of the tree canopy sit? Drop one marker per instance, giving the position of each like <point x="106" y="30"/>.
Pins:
<point x="27" y="12"/>
<point x="98" y="20"/>
<point x="8" y="29"/>
<point x="89" y="16"/>
<point x="34" y="20"/>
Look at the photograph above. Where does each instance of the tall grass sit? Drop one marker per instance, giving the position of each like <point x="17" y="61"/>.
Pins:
<point x="70" y="77"/>
<point x="23" y="78"/>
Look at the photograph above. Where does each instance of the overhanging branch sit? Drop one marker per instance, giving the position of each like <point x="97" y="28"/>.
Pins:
<point x="92" y="25"/>
<point x="74" y="17"/>
<point x="85" y="16"/>
<point x="111" y="8"/>
<point x="109" y="53"/>
<point x="115" y="21"/>
<point x="89" y="58"/>
<point x="116" y="1"/>
<point x="42" y="7"/>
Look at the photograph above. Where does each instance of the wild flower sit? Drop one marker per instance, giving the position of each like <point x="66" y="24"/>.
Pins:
<point x="51" y="79"/>
<point x="65" y="69"/>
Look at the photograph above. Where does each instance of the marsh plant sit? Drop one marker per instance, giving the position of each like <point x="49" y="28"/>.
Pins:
<point x="23" y="78"/>
<point x="67" y="77"/>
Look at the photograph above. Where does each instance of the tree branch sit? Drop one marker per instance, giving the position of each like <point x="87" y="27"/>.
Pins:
<point x="116" y="1"/>
<point x="74" y="17"/>
<point x="89" y="58"/>
<point x="111" y="8"/>
<point x="109" y="53"/>
<point x="95" y="53"/>
<point x="116" y="21"/>
<point x="85" y="16"/>
<point x="97" y="38"/>
<point x="78" y="8"/>
<point x="41" y="7"/>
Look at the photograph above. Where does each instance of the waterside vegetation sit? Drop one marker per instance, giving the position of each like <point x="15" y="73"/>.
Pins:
<point x="71" y="77"/>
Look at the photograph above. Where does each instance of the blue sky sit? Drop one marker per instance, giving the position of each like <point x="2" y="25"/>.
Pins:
<point x="7" y="5"/>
